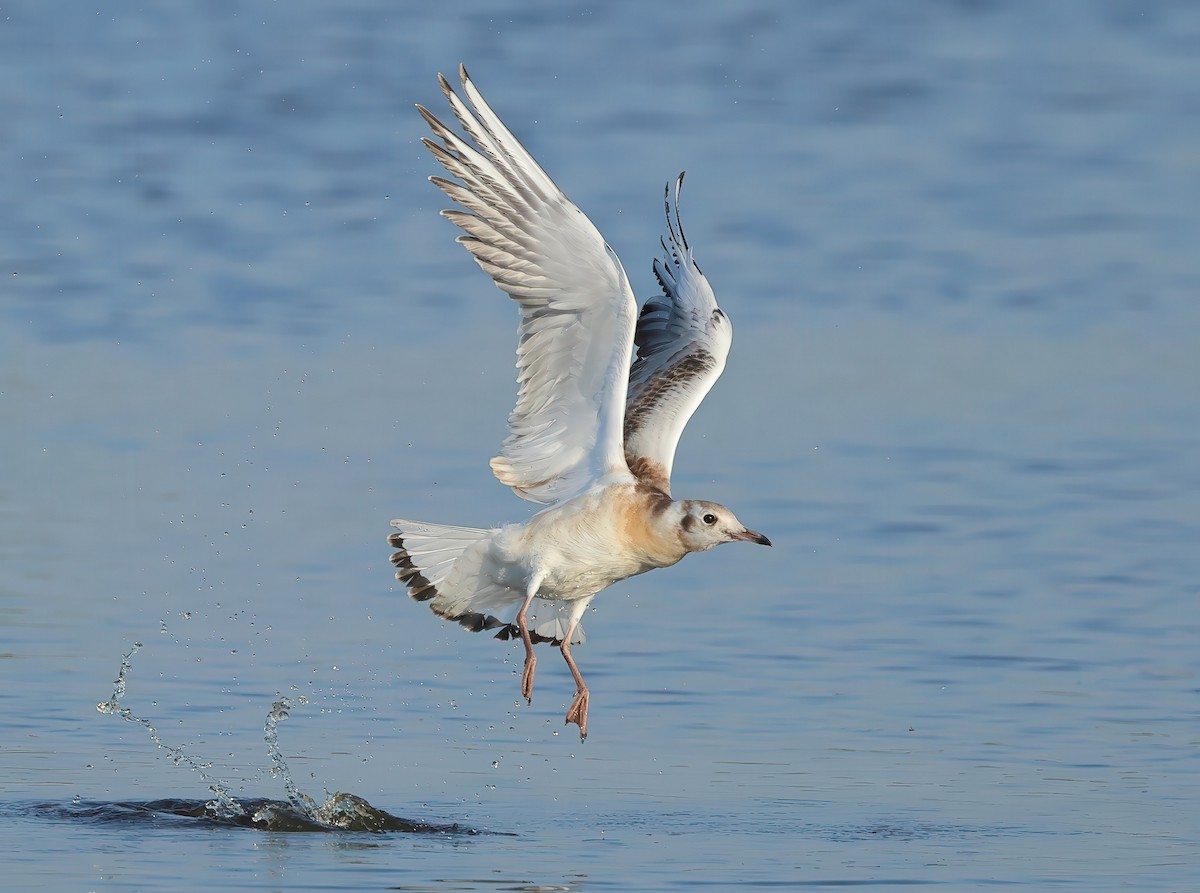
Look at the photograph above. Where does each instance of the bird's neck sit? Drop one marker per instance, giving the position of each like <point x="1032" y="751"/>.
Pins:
<point x="649" y="524"/>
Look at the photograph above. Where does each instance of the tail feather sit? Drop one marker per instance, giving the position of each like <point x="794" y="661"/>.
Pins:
<point x="452" y="568"/>
<point x="429" y="552"/>
<point x="441" y="564"/>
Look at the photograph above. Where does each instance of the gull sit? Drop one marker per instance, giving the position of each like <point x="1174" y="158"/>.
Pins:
<point x="592" y="437"/>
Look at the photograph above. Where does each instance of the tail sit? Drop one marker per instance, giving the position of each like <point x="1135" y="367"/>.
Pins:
<point x="454" y="570"/>
<point x="441" y="565"/>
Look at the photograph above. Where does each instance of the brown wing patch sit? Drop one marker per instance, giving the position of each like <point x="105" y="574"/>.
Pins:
<point x="642" y="406"/>
<point x="649" y="472"/>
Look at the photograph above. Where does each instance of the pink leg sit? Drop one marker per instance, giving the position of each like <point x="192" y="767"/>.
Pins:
<point x="578" y="713"/>
<point x="530" y="659"/>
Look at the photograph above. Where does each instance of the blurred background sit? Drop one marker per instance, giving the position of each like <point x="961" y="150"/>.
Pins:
<point x="957" y="242"/>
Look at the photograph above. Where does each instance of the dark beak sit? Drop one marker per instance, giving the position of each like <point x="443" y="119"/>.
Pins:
<point x="751" y="536"/>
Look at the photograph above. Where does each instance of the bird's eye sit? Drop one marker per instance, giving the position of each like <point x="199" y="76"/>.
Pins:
<point x="710" y="518"/>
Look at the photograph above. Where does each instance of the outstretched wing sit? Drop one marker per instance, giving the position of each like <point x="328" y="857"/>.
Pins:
<point x="577" y="309"/>
<point x="682" y="340"/>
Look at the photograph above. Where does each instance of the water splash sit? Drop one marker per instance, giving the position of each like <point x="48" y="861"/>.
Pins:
<point x="279" y="767"/>
<point x="339" y="812"/>
<point x="223" y="804"/>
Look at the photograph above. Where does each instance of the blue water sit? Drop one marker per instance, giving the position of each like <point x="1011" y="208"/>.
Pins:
<point x="957" y="242"/>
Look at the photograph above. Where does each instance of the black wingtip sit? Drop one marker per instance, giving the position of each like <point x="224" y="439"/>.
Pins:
<point x="674" y="221"/>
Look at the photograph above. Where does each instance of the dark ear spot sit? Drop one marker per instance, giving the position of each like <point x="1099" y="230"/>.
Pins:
<point x="688" y="523"/>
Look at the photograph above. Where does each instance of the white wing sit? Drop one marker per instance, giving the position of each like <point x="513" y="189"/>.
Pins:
<point x="682" y="341"/>
<point x="577" y="309"/>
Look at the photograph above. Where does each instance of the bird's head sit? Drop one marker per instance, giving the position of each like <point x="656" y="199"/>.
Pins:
<point x="703" y="525"/>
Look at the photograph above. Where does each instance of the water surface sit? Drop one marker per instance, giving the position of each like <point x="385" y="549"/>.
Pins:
<point x="957" y="242"/>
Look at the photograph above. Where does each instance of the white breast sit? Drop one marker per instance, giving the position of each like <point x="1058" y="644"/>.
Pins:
<point x="592" y="541"/>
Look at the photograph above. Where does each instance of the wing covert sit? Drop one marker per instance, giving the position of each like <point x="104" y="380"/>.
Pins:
<point x="682" y="340"/>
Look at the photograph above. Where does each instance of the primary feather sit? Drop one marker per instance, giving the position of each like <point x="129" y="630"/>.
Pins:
<point x="577" y="309"/>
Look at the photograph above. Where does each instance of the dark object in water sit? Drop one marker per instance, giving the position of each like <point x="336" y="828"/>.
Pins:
<point x="346" y="812"/>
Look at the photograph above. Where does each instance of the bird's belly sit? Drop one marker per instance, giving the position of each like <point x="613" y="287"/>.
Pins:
<point x="585" y="572"/>
<point x="570" y="582"/>
<point x="587" y="544"/>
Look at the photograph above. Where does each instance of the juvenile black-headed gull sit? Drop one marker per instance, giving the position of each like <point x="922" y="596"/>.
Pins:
<point x="591" y="436"/>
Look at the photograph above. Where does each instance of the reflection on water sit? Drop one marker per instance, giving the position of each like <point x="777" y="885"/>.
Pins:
<point x="339" y="812"/>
